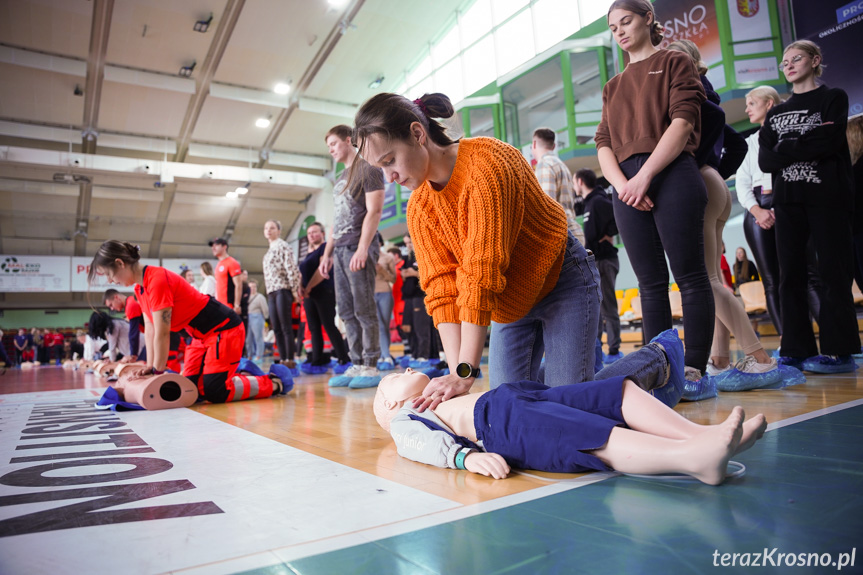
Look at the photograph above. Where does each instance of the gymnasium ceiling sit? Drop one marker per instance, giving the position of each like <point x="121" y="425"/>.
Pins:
<point x="100" y="137"/>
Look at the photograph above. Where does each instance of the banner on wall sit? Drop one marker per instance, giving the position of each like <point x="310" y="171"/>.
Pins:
<point x="81" y="268"/>
<point x="749" y="20"/>
<point x="34" y="273"/>
<point x="691" y="20"/>
<point x="837" y="27"/>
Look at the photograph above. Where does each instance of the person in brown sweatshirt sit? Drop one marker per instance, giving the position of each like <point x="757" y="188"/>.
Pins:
<point x="645" y="142"/>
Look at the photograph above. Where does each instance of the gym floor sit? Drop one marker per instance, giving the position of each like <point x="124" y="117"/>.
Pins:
<point x="308" y="483"/>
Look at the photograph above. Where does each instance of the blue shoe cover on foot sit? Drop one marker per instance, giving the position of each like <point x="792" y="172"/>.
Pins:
<point x="612" y="357"/>
<point x="385" y="366"/>
<point x="704" y="388"/>
<point x="788" y="376"/>
<point x="405" y="362"/>
<point x="669" y="394"/>
<point x="333" y="363"/>
<point x="795" y="362"/>
<point x="361" y="382"/>
<point x="340" y="368"/>
<point x="736" y="380"/>
<point x="339" y="381"/>
<point x="826" y="364"/>
<point x="283" y="373"/>
<point x="310" y="369"/>
<point x="250" y="367"/>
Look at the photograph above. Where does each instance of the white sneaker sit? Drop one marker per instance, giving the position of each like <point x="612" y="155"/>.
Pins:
<point x="369" y="371"/>
<point x="712" y="370"/>
<point x="353" y="371"/>
<point x="749" y="365"/>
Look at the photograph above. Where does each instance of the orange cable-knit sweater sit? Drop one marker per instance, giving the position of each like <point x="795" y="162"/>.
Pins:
<point x="490" y="244"/>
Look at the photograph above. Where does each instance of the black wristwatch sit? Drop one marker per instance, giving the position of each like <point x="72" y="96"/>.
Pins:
<point x="465" y="370"/>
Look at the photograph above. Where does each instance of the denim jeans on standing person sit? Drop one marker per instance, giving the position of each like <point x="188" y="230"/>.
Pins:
<point x="562" y="326"/>
<point x="384" y="303"/>
<point x="255" y="336"/>
<point x="355" y="298"/>
<point x="674" y="227"/>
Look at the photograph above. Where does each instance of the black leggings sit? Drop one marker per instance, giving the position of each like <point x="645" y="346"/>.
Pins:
<point x="674" y="227"/>
<point x="321" y="312"/>
<point x="763" y="245"/>
<point x="280" y="302"/>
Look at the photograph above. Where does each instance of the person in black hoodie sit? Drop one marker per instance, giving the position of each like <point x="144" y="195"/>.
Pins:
<point x="599" y="231"/>
<point x="803" y="144"/>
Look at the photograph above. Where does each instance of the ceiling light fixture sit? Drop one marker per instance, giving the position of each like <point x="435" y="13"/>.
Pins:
<point x="186" y="71"/>
<point x="243" y="190"/>
<point x="337" y="3"/>
<point x="376" y="83"/>
<point x="203" y="25"/>
<point x="231" y="195"/>
<point x="262" y="122"/>
<point x="282" y="88"/>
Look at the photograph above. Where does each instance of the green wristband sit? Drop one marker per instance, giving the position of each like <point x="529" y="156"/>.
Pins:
<point x="460" y="457"/>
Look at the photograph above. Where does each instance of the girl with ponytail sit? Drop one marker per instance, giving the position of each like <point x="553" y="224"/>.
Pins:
<point x="491" y="247"/>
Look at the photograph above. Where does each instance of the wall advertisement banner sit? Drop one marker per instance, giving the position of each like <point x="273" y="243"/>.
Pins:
<point x="34" y="273"/>
<point x="749" y="19"/>
<point x="691" y="20"/>
<point x="81" y="267"/>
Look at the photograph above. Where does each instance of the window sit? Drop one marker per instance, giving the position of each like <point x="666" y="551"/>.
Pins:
<point x="479" y="65"/>
<point x="514" y="41"/>
<point x="537" y="98"/>
<point x="481" y="122"/>
<point x="423" y="69"/>
<point x="554" y="20"/>
<point x="448" y="80"/>
<point x="593" y="9"/>
<point x="475" y="22"/>
<point x="503" y="9"/>
<point x="445" y="48"/>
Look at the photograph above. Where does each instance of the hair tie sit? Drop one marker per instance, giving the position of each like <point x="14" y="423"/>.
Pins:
<point x="419" y="102"/>
<point x="137" y="248"/>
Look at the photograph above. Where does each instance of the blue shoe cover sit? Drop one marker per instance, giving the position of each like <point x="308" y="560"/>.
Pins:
<point x="283" y="373"/>
<point x="704" y="388"/>
<point x="736" y="380"/>
<point x="333" y="363"/>
<point x="385" y="366"/>
<point x="445" y="371"/>
<point x="250" y="367"/>
<point x="432" y="372"/>
<point x="669" y="394"/>
<point x="795" y="362"/>
<point x="788" y="376"/>
<point x="826" y="364"/>
<point x="612" y="357"/>
<point x="307" y="367"/>
<point x="419" y="364"/>
<point x="340" y="368"/>
<point x="405" y="362"/>
<point x="361" y="382"/>
<point x="340" y="381"/>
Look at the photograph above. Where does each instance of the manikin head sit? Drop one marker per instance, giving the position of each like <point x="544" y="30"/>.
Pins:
<point x="394" y="390"/>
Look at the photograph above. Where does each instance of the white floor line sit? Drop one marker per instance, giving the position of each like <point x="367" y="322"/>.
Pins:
<point x="813" y="414"/>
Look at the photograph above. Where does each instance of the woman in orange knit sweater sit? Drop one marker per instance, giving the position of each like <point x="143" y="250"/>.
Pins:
<point x="492" y="248"/>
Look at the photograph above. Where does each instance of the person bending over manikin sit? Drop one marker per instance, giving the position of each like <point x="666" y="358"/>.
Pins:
<point x="599" y="425"/>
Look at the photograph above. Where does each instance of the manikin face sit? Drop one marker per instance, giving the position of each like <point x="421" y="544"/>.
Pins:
<point x="400" y="387"/>
<point x="757" y="108"/>
<point x="403" y="162"/>
<point x="798" y="66"/>
<point x="315" y="235"/>
<point x="630" y="30"/>
<point x="271" y="231"/>
<point x="339" y="149"/>
<point x="116" y="303"/>
<point x="120" y="275"/>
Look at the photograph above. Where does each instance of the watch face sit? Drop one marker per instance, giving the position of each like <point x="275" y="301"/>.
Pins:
<point x="463" y="370"/>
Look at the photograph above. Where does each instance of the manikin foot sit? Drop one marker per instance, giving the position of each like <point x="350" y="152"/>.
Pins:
<point x="708" y="452"/>
<point x="753" y="430"/>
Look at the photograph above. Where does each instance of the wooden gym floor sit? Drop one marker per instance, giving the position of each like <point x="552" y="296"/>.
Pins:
<point x="317" y="487"/>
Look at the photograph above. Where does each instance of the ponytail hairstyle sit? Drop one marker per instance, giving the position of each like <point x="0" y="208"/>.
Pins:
<point x="392" y="115"/>
<point x="109" y="253"/>
<point x="689" y="48"/>
<point x="810" y="48"/>
<point x="100" y="324"/>
<point x="642" y="8"/>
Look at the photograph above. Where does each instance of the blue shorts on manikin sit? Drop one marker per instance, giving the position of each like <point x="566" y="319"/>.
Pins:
<point x="534" y="426"/>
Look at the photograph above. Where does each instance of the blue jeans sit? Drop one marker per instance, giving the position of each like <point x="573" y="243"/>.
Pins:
<point x="562" y="326"/>
<point x="255" y="335"/>
<point x="355" y="298"/>
<point x="384" y="302"/>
